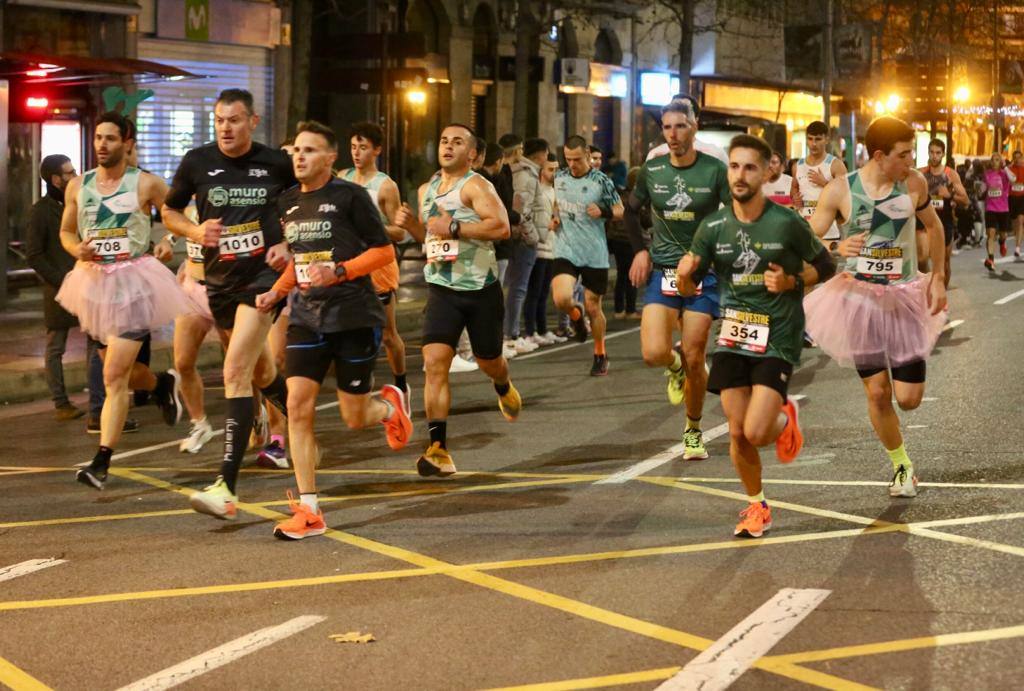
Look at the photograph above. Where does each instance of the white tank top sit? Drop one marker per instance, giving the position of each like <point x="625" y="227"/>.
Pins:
<point x="810" y="193"/>
<point x="780" y="191"/>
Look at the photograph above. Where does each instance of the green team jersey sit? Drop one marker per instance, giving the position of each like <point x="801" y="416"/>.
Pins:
<point x="463" y="264"/>
<point x="117" y="225"/>
<point x="889" y="254"/>
<point x="755" y="322"/>
<point x="680" y="199"/>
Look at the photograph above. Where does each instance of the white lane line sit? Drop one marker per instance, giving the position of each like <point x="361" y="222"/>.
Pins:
<point x="953" y="324"/>
<point x="26" y="567"/>
<point x="731" y="655"/>
<point x="1006" y="260"/>
<point x="222" y="655"/>
<point x="857" y="483"/>
<point x="567" y="346"/>
<point x="916" y="426"/>
<point x="1011" y="296"/>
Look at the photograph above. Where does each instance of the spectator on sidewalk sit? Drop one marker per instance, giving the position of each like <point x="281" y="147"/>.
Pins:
<point x="622" y="250"/>
<point x="536" y="307"/>
<point x="51" y="262"/>
<point x="616" y="169"/>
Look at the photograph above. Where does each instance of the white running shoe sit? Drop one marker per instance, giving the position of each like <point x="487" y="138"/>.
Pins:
<point x="461" y="364"/>
<point x="555" y="338"/>
<point x="507" y="352"/>
<point x="407" y="401"/>
<point x="904" y="482"/>
<point x="524" y="346"/>
<point x="200" y="433"/>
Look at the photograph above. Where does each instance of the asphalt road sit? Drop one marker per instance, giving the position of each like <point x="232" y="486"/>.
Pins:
<point x="530" y="566"/>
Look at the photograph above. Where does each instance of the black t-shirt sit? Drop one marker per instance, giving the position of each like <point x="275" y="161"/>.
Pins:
<point x="242" y="192"/>
<point x="333" y="224"/>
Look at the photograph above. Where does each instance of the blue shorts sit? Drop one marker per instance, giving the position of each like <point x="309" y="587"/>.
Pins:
<point x="706" y="302"/>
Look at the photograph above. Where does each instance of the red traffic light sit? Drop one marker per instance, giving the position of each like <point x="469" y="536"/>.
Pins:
<point x="37" y="102"/>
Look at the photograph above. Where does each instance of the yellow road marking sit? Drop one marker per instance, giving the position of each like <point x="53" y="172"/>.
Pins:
<point x="17" y="679"/>
<point x="597" y="682"/>
<point x="94" y="519"/>
<point x="462" y="475"/>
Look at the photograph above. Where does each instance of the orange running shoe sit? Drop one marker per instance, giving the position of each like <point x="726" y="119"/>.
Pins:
<point x="303" y="523"/>
<point x="398" y="427"/>
<point x="789" y="443"/>
<point x="755" y="521"/>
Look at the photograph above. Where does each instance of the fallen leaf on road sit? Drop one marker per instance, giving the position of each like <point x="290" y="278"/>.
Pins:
<point x="352" y="637"/>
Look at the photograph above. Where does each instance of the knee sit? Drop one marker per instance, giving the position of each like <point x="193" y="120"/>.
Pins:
<point x="300" y="410"/>
<point x="737" y="435"/>
<point x="655" y="356"/>
<point x="879" y="396"/>
<point x="235" y="373"/>
<point x="693" y="356"/>
<point x="115" y="378"/>
<point x="436" y="367"/>
<point x="185" y="363"/>
<point x="757" y="436"/>
<point x="908" y="401"/>
<point x="391" y="339"/>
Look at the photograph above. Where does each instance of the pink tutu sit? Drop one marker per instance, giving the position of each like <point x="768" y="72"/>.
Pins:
<point x="195" y="292"/>
<point x="121" y="298"/>
<point x="868" y="325"/>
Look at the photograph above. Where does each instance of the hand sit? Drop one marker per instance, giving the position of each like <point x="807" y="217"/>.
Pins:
<point x="640" y="269"/>
<point x="322" y="275"/>
<point x="517" y="202"/>
<point x="209" y="232"/>
<point x="944" y="192"/>
<point x="439" y="226"/>
<point x="404" y="217"/>
<point x="776" y="280"/>
<point x="852" y="245"/>
<point x="684" y="272"/>
<point x="594" y="211"/>
<point x="554" y="223"/>
<point x="265" y="301"/>
<point x="163" y="251"/>
<point x="936" y="294"/>
<point x="85" y="251"/>
<point x="816" y="178"/>
<point x="278" y="257"/>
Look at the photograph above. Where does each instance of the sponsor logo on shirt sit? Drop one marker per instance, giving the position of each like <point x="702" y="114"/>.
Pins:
<point x="212" y="173"/>
<point x="258" y="172"/>
<point x="767" y="245"/>
<point x="305" y="231"/>
<point x="327" y="208"/>
<point x="237" y="196"/>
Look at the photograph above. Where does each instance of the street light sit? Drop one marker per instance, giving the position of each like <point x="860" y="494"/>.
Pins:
<point x="961" y="94"/>
<point x="892" y="103"/>
<point x="416" y="97"/>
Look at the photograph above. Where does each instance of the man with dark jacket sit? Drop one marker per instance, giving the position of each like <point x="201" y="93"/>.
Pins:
<point x="52" y="263"/>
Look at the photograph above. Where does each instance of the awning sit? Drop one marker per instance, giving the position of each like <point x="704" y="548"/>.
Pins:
<point x="74" y="70"/>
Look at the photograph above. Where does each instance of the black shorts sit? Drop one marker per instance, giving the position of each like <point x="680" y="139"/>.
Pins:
<point x="224" y="305"/>
<point x="594" y="280"/>
<point x="144" y="337"/>
<point x="910" y="373"/>
<point x="947" y="232"/>
<point x="733" y="371"/>
<point x="480" y="312"/>
<point x="1016" y="206"/>
<point x="1000" y="220"/>
<point x="310" y="354"/>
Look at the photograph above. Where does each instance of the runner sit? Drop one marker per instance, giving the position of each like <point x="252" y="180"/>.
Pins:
<point x="681" y="188"/>
<point x="779" y="186"/>
<point x="879" y="315"/>
<point x="459" y="217"/>
<point x="758" y="250"/>
<point x="118" y="292"/>
<point x="336" y="233"/>
<point x="944" y="189"/>
<point x="812" y="173"/>
<point x="997" y="208"/>
<point x="1016" y="202"/>
<point x="701" y="146"/>
<point x="584" y="199"/>
<point x="365" y="141"/>
<point x="236" y="183"/>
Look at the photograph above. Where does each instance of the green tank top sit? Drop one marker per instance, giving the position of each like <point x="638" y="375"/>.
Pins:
<point x="120" y="229"/>
<point x="372" y="187"/>
<point x="890" y="252"/>
<point x="464" y="264"/>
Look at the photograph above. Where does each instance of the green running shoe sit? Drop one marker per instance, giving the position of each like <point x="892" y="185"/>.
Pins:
<point x="675" y="385"/>
<point x="693" y="440"/>
<point x="216" y="500"/>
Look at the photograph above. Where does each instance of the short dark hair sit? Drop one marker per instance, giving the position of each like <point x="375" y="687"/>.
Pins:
<point x="492" y="154"/>
<point x="552" y="158"/>
<point x="749" y="141"/>
<point x="779" y="154"/>
<point x="575" y="141"/>
<point x="534" y="145"/>
<point x="481" y="144"/>
<point x="125" y="127"/>
<point x="369" y="131"/>
<point x="290" y="141"/>
<point x="937" y="142"/>
<point x="686" y="106"/>
<point x="884" y="132"/>
<point x="51" y="165"/>
<point x="459" y="124"/>
<point x="689" y="99"/>
<point x="817" y="128"/>
<point x="594" y="149"/>
<point x="509" y="141"/>
<point x="314" y="127"/>
<point x="228" y="96"/>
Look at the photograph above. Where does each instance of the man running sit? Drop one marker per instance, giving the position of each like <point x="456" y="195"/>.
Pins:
<point x="944" y="189"/>
<point x="779" y="186"/>
<point x="336" y="233"/>
<point x="813" y="172"/>
<point x="1016" y="202"/>
<point x="708" y="148"/>
<point x="584" y="199"/>
<point x="459" y="217"/>
<point x="365" y="142"/>
<point x="879" y="315"/>
<point x="118" y="292"/>
<point x="758" y="249"/>
<point x="236" y="183"/>
<point x="681" y="188"/>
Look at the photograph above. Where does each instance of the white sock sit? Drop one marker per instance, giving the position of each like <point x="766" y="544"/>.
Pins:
<point x="391" y="410"/>
<point x="201" y="421"/>
<point x="677" y="362"/>
<point x="310" y="501"/>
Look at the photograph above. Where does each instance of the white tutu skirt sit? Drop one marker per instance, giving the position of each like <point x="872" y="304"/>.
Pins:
<point x="868" y="325"/>
<point x="126" y="297"/>
<point x="195" y="293"/>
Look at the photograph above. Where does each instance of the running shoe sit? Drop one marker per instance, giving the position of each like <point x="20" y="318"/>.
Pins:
<point x="435" y="461"/>
<point x="508" y="352"/>
<point x="398" y="427"/>
<point x="130" y="425"/>
<point x="789" y="443"/>
<point x="990" y="265"/>
<point x="619" y="315"/>
<point x="600" y="366"/>
<point x="904" y="482"/>
<point x="216" y="500"/>
<point x="1002" y="247"/>
<point x="408" y="401"/>
<point x="676" y="380"/>
<point x="461" y="364"/>
<point x="92" y="476"/>
<point x="755" y="521"/>
<point x="272" y="456"/>
<point x="525" y="345"/>
<point x="511" y="403"/>
<point x="167" y="396"/>
<point x="808" y="341"/>
<point x="579" y="326"/>
<point x="555" y="338"/>
<point x="198" y="434"/>
<point x="693" y="445"/>
<point x="260" y="434"/>
<point x="1016" y="252"/>
<point x="303" y="523"/>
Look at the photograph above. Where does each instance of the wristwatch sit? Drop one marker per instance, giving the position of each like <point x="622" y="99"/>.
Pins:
<point x="453" y="228"/>
<point x="340" y="271"/>
<point x="798" y="282"/>
<point x="171" y="239"/>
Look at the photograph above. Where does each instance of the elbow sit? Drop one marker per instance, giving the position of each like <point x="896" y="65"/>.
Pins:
<point x="504" y="232"/>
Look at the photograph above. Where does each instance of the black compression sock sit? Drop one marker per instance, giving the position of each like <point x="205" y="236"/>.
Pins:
<point x="438" y="432"/>
<point x="502" y="389"/>
<point x="400" y="381"/>
<point x="101" y="461"/>
<point x="237" y="426"/>
<point x="277" y="393"/>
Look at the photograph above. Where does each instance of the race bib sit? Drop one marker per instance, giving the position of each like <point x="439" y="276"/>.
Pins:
<point x="744" y="331"/>
<point x="807" y="210"/>
<point x="995" y="192"/>
<point x="442" y="250"/>
<point x="304" y="260"/>
<point x="669" y="286"/>
<point x="110" y="244"/>
<point x="890" y="268"/>
<point x="241" y="241"/>
<point x="938" y="202"/>
<point x="195" y="252"/>
<point x="1017" y="187"/>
